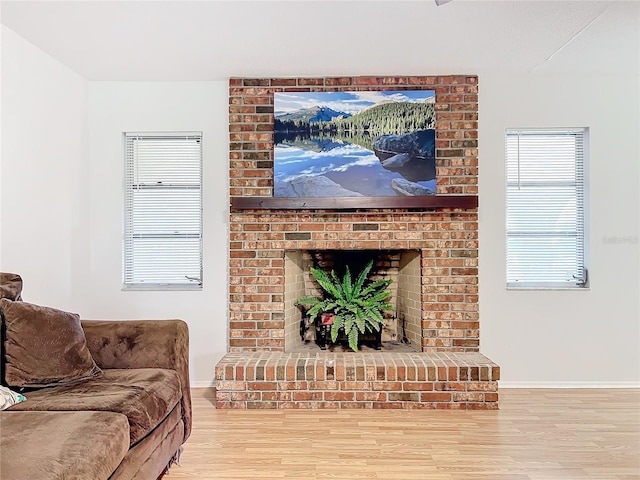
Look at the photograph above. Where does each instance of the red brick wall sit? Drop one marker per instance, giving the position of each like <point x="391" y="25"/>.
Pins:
<point x="446" y="238"/>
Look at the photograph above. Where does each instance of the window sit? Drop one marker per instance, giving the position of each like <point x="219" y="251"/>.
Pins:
<point x="545" y="208"/>
<point x="163" y="210"/>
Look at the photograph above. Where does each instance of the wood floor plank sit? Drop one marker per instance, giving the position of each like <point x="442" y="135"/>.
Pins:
<point x="537" y="434"/>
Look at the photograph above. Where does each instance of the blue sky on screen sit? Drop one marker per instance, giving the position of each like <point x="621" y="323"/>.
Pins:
<point x="349" y="102"/>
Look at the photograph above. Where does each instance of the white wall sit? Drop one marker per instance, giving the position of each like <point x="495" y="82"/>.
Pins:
<point x="115" y="108"/>
<point x="44" y="173"/>
<point x="580" y="338"/>
<point x="62" y="211"/>
<point x="61" y="200"/>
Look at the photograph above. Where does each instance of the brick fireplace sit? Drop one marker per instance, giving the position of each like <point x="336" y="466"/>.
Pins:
<point x="437" y="245"/>
<point x="402" y="330"/>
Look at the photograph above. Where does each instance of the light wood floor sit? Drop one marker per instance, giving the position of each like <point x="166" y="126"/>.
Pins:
<point x="536" y="435"/>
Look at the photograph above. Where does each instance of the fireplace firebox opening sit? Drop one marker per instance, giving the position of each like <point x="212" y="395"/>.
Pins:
<point x="402" y="330"/>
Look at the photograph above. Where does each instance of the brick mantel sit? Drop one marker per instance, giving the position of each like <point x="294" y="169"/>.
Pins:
<point x="350" y="203"/>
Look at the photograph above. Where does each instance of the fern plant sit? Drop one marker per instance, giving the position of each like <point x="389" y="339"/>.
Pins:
<point x="358" y="306"/>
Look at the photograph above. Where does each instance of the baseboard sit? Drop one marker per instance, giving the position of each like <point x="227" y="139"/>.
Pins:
<point x="203" y="384"/>
<point x="507" y="384"/>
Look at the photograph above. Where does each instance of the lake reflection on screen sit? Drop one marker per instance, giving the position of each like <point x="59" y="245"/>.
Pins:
<point x="353" y="168"/>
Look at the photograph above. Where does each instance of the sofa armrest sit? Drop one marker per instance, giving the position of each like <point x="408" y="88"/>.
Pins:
<point x="143" y="344"/>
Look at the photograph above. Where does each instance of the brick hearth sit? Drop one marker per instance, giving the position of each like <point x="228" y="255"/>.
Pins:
<point x="447" y="371"/>
<point x="437" y="380"/>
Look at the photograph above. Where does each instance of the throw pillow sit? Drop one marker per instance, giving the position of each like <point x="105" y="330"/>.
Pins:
<point x="10" y="286"/>
<point x="44" y="346"/>
<point x="9" y="397"/>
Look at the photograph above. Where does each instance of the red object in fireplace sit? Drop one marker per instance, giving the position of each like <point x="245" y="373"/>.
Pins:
<point x="327" y="318"/>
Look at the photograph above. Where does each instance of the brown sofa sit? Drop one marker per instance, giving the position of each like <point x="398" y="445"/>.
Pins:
<point x="126" y="419"/>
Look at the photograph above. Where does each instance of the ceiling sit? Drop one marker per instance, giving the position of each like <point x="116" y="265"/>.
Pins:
<point x="215" y="40"/>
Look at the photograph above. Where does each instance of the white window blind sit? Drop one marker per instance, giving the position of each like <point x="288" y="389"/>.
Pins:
<point x="545" y="208"/>
<point x="163" y="210"/>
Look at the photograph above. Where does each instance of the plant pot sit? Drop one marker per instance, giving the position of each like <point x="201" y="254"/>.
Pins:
<point x="371" y="339"/>
<point x="323" y="335"/>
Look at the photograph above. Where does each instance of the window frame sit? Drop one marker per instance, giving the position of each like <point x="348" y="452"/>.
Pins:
<point x="580" y="186"/>
<point x="131" y="233"/>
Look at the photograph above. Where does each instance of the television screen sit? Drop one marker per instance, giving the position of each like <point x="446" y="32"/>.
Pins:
<point x="354" y="143"/>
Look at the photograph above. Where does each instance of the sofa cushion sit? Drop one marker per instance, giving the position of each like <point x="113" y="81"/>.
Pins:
<point x="144" y="395"/>
<point x="44" y="346"/>
<point x="62" y="445"/>
<point x="10" y="286"/>
<point x="147" y="458"/>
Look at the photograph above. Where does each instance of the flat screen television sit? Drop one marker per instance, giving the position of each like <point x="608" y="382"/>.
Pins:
<point x="354" y="143"/>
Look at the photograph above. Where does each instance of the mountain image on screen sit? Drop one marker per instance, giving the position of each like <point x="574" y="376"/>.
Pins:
<point x="312" y="115"/>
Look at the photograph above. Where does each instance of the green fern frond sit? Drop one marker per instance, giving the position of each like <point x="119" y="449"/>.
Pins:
<point x="375" y="287"/>
<point x="316" y="310"/>
<point x="353" y="339"/>
<point x="347" y="287"/>
<point x="308" y="301"/>
<point x="337" y="284"/>
<point x="362" y="278"/>
<point x="375" y="315"/>
<point x="374" y="324"/>
<point x="338" y="323"/>
<point x="380" y="296"/>
<point x="325" y="282"/>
